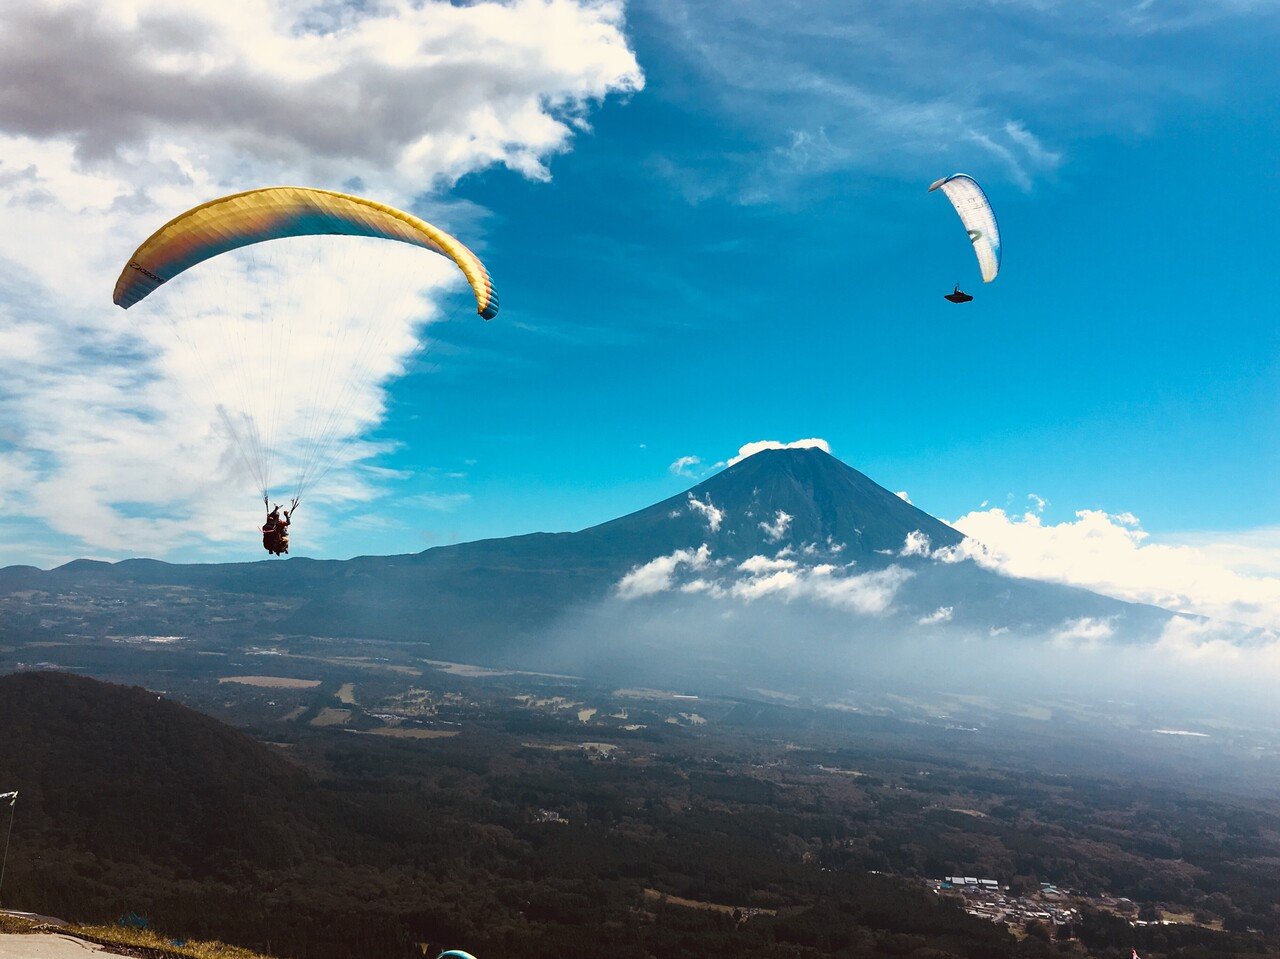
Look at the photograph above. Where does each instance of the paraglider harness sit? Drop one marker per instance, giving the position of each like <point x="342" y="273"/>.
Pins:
<point x="275" y="531"/>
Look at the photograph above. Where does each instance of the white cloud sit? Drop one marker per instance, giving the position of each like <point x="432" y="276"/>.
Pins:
<point x="777" y="529"/>
<point x="868" y="594"/>
<point x="751" y="449"/>
<point x="658" y="575"/>
<point x="1226" y="576"/>
<point x="684" y="465"/>
<point x="762" y="565"/>
<point x="709" y="512"/>
<point x="902" y="495"/>
<point x="1084" y="631"/>
<point x="702" y="586"/>
<point x="916" y="544"/>
<point x="942" y="614"/>
<point x="760" y="577"/>
<point x="1205" y="642"/>
<point x="115" y="115"/>
<point x="441" y="502"/>
<point x="845" y="87"/>
<point x="780" y="581"/>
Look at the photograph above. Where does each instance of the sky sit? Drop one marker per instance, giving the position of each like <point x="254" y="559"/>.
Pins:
<point x="709" y="226"/>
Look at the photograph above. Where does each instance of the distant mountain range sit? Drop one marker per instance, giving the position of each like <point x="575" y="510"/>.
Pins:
<point x="798" y="512"/>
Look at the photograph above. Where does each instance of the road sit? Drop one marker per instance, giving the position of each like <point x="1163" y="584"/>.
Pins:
<point x="46" y="946"/>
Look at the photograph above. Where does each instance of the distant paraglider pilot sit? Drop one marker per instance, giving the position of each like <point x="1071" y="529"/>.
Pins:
<point x="957" y="295"/>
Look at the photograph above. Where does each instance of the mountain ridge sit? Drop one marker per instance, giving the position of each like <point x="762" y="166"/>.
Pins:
<point x="489" y="598"/>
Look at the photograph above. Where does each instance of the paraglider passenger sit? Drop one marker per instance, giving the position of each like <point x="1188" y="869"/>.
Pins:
<point x="282" y="534"/>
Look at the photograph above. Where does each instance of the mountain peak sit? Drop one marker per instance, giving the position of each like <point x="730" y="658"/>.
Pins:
<point x="802" y="498"/>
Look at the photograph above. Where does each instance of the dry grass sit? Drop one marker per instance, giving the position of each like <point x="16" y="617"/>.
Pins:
<point x="133" y="942"/>
<point x="653" y="895"/>
<point x="272" y="682"/>
<point x="401" y="732"/>
<point x="329" y="716"/>
<point x="16" y="924"/>
<point x="150" y="944"/>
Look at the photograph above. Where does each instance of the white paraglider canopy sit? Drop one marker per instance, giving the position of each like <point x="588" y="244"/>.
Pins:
<point x="978" y="219"/>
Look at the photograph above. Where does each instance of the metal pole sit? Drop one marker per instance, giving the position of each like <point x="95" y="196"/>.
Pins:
<point x="4" y="861"/>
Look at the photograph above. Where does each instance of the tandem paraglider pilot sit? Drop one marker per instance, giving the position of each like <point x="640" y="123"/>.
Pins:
<point x="275" y="531"/>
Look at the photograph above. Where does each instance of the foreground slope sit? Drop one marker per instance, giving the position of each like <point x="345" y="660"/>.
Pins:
<point x="125" y="773"/>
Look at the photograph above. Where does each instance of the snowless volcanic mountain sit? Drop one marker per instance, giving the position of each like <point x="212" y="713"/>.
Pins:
<point x="779" y="526"/>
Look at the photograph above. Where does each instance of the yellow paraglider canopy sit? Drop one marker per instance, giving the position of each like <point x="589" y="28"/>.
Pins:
<point x="256" y="216"/>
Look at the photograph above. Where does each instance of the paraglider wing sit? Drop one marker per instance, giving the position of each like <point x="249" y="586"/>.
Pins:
<point x="978" y="218"/>
<point x="242" y="219"/>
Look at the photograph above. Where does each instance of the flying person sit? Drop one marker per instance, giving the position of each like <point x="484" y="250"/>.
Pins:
<point x="282" y="534"/>
<point x="275" y="531"/>
<point x="979" y="222"/>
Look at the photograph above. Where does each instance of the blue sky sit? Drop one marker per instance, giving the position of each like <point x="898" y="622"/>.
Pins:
<point x="741" y="247"/>
<point x="691" y="280"/>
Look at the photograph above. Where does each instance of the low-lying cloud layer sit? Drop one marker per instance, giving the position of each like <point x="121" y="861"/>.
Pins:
<point x="805" y="619"/>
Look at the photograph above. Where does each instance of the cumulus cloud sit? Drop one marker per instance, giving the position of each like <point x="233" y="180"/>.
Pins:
<point x="751" y="449"/>
<point x="765" y="565"/>
<point x="1225" y="577"/>
<point x="684" y="465"/>
<point x="658" y="575"/>
<point x="916" y="544"/>
<point x="116" y="115"/>
<point x="776" y="528"/>
<point x="940" y="615"/>
<point x="902" y="495"/>
<point x="713" y="515"/>
<point x="398" y="92"/>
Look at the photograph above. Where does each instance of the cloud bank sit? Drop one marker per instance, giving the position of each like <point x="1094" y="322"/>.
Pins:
<point x="759" y="577"/>
<point x="1214" y="576"/>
